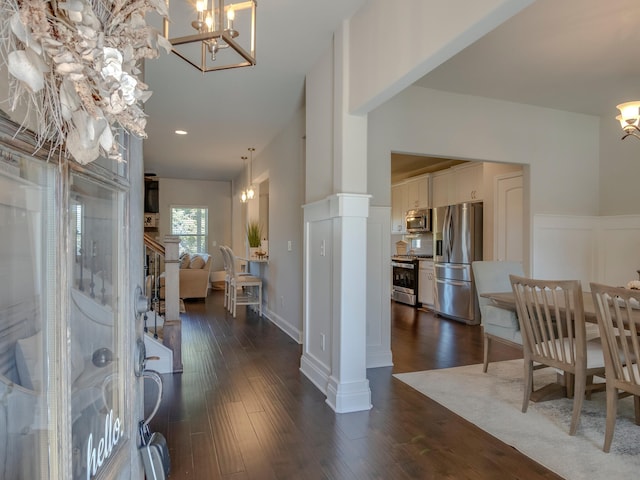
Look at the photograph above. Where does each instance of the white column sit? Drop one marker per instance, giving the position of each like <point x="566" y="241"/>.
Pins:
<point x="348" y="388"/>
<point x="172" y="278"/>
<point x="335" y="257"/>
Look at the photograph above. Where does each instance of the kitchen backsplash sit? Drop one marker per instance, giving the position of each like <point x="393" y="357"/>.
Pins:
<point x="419" y="243"/>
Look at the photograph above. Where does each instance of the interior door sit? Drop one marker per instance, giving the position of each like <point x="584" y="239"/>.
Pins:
<point x="509" y="218"/>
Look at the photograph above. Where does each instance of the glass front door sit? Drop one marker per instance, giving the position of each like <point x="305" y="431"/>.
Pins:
<point x="69" y="399"/>
<point x="96" y="340"/>
<point x="27" y="252"/>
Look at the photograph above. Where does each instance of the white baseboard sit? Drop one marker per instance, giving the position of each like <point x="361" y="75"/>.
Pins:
<point x="283" y="325"/>
<point x="377" y="358"/>
<point x="315" y="371"/>
<point x="348" y="397"/>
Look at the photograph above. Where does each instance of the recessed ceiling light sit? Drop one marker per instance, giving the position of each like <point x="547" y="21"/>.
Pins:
<point x="181" y="132"/>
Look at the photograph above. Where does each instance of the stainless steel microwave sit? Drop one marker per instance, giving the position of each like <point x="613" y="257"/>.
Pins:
<point x="418" y="221"/>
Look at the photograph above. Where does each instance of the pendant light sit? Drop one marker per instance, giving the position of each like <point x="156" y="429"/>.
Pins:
<point x="250" y="190"/>
<point x="243" y="194"/>
<point x="222" y="34"/>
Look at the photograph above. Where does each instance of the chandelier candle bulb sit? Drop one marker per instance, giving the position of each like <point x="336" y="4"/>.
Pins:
<point x="231" y="15"/>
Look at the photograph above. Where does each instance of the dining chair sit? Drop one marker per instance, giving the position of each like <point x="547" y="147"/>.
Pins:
<point x="617" y="310"/>
<point x="551" y="315"/>
<point x="230" y="269"/>
<point x="227" y="274"/>
<point x="244" y="289"/>
<point x="498" y="324"/>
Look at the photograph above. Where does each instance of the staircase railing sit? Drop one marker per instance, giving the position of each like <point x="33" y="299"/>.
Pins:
<point x="153" y="265"/>
<point x="162" y="279"/>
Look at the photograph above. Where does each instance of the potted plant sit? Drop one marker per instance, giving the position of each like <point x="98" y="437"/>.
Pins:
<point x="254" y="236"/>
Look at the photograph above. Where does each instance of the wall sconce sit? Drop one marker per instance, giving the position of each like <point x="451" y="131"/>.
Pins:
<point x="629" y="118"/>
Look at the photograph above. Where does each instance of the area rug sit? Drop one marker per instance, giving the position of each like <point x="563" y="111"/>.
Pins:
<point x="493" y="402"/>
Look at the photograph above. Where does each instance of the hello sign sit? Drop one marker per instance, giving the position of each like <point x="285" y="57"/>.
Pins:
<point x="96" y="456"/>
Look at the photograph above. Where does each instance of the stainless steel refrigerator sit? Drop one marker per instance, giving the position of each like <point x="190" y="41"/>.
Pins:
<point x="457" y="237"/>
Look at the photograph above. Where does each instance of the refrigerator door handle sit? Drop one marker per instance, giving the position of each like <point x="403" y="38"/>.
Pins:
<point x="455" y="283"/>
<point x="448" y="229"/>
<point x="453" y="266"/>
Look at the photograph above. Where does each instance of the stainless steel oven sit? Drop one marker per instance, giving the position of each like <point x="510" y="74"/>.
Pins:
<point x="405" y="280"/>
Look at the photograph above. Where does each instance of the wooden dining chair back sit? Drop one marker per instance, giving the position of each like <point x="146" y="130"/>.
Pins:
<point x="551" y="315"/>
<point x="618" y="313"/>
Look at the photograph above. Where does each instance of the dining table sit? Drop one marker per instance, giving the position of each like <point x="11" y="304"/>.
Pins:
<point x="507" y="300"/>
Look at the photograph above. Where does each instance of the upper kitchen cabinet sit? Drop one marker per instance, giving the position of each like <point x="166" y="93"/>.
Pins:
<point x="398" y="207"/>
<point x="408" y="195"/>
<point x="418" y="192"/>
<point x="458" y="184"/>
<point x="442" y="188"/>
<point x="469" y="182"/>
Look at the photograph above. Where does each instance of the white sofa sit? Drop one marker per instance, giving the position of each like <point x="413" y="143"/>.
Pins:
<point x="194" y="275"/>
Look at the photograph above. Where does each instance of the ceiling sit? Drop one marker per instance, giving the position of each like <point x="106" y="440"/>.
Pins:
<point x="228" y="111"/>
<point x="405" y="166"/>
<point x="575" y="55"/>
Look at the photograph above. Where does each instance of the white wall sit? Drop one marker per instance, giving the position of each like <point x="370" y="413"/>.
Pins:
<point x="619" y="169"/>
<point x="561" y="147"/>
<point x="283" y="163"/>
<point x="216" y="196"/>
<point x="319" y="129"/>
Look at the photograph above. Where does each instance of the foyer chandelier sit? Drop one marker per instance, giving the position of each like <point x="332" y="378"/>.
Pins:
<point x="225" y="33"/>
<point x="629" y="118"/>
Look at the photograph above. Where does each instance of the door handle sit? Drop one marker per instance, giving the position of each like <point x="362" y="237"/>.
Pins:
<point x="141" y="302"/>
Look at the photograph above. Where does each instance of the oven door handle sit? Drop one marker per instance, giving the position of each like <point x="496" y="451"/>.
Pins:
<point x="408" y="266"/>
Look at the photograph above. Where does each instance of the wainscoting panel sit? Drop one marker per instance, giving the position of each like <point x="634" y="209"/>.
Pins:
<point x="564" y="247"/>
<point x="591" y="249"/>
<point x="378" y="288"/>
<point x="619" y="249"/>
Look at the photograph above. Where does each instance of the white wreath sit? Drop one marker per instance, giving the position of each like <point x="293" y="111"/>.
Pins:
<point x="76" y="64"/>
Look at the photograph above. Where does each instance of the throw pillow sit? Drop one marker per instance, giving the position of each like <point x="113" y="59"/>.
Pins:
<point x="197" y="262"/>
<point x="185" y="260"/>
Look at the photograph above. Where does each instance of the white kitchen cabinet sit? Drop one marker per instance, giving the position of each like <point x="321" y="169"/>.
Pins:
<point x="398" y="207"/>
<point x="426" y="283"/>
<point x="418" y="192"/>
<point x="464" y="183"/>
<point x="469" y="183"/>
<point x="442" y="186"/>
<point x="408" y="195"/>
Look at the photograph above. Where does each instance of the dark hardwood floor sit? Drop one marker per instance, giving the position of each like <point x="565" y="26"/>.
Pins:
<point x="242" y="409"/>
